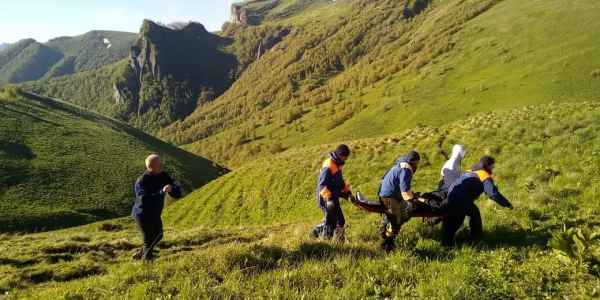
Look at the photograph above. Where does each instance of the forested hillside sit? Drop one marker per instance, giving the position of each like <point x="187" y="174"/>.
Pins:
<point x="362" y="68"/>
<point x="167" y="75"/>
<point x="29" y="60"/>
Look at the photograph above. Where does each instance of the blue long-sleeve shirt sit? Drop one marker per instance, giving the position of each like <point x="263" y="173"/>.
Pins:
<point x="149" y="195"/>
<point x="397" y="180"/>
<point x="471" y="184"/>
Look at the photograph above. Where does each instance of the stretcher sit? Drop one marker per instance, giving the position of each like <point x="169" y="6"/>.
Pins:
<point x="421" y="210"/>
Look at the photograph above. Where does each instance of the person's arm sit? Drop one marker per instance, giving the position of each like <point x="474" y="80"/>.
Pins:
<point x="324" y="178"/>
<point x="144" y="196"/>
<point x="175" y="186"/>
<point x="492" y="191"/>
<point x="405" y="184"/>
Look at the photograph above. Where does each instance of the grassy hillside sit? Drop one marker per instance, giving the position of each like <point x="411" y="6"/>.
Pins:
<point x="63" y="166"/>
<point x="530" y="145"/>
<point x="256" y="12"/>
<point x="355" y="70"/>
<point x="547" y="166"/>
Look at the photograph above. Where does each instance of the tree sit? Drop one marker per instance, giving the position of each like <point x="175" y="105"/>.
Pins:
<point x="13" y="90"/>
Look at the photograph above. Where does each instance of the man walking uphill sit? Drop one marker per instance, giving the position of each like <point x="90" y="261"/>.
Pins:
<point x="461" y="199"/>
<point x="150" y="190"/>
<point x="395" y="193"/>
<point x="330" y="187"/>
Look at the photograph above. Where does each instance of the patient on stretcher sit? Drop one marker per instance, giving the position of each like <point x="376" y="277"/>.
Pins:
<point x="430" y="204"/>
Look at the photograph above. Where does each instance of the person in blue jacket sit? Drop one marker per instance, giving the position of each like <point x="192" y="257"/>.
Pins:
<point x="150" y="190"/>
<point x="461" y="199"/>
<point x="396" y="195"/>
<point x="330" y="187"/>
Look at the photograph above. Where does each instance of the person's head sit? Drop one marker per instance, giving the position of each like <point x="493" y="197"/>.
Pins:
<point x="487" y="162"/>
<point x="342" y="152"/>
<point x="459" y="151"/>
<point x="414" y="158"/>
<point x="154" y="164"/>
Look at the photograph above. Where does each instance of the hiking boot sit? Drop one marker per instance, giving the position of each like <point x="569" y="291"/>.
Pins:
<point x="340" y="233"/>
<point x="388" y="245"/>
<point x="317" y="230"/>
<point x="137" y="255"/>
<point x="314" y="233"/>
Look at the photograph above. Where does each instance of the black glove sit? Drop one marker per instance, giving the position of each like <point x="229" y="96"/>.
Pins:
<point x="351" y="197"/>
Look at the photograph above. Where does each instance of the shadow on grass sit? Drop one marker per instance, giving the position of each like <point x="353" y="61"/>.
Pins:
<point x="501" y="237"/>
<point x="31" y="116"/>
<point x="17" y="263"/>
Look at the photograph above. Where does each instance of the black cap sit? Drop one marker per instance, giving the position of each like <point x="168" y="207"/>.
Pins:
<point x="486" y="161"/>
<point x="413" y="155"/>
<point x="342" y="150"/>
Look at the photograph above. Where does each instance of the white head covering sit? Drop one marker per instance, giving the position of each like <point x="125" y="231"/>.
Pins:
<point x="451" y="169"/>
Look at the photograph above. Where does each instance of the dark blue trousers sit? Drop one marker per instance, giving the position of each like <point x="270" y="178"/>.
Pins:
<point x="333" y="218"/>
<point x="458" y="211"/>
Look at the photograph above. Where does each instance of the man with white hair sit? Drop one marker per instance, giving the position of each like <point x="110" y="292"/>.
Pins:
<point x="150" y="190"/>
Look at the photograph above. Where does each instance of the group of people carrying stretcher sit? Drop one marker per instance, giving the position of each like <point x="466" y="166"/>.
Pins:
<point x="450" y="204"/>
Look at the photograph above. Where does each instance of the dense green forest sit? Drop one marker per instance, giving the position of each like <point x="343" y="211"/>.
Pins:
<point x="361" y="70"/>
<point x="29" y="60"/>
<point x="168" y="74"/>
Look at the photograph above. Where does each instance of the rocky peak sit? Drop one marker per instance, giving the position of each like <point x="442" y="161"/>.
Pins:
<point x="238" y="16"/>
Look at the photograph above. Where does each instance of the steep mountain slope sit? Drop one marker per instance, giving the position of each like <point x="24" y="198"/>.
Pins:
<point x="547" y="165"/>
<point x="257" y="12"/>
<point x="28" y="60"/>
<point x="358" y="69"/>
<point x="168" y="73"/>
<point x="63" y="166"/>
<point x="4" y="46"/>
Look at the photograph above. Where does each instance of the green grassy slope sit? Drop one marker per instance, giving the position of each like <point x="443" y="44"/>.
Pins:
<point x="513" y="54"/>
<point x="63" y="166"/>
<point x="548" y="160"/>
<point x="527" y="143"/>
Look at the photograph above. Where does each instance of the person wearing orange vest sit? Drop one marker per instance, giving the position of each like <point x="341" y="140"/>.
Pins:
<point x="396" y="195"/>
<point x="461" y="200"/>
<point x="330" y="188"/>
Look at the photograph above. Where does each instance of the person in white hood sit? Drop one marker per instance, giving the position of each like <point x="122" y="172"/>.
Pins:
<point x="451" y="169"/>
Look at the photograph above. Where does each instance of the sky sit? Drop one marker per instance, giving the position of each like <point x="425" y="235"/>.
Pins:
<point x="44" y="19"/>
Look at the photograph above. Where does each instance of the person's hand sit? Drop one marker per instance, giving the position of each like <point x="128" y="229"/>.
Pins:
<point x="168" y="188"/>
<point x="176" y="183"/>
<point x="421" y="199"/>
<point x="351" y="198"/>
<point x="330" y="205"/>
